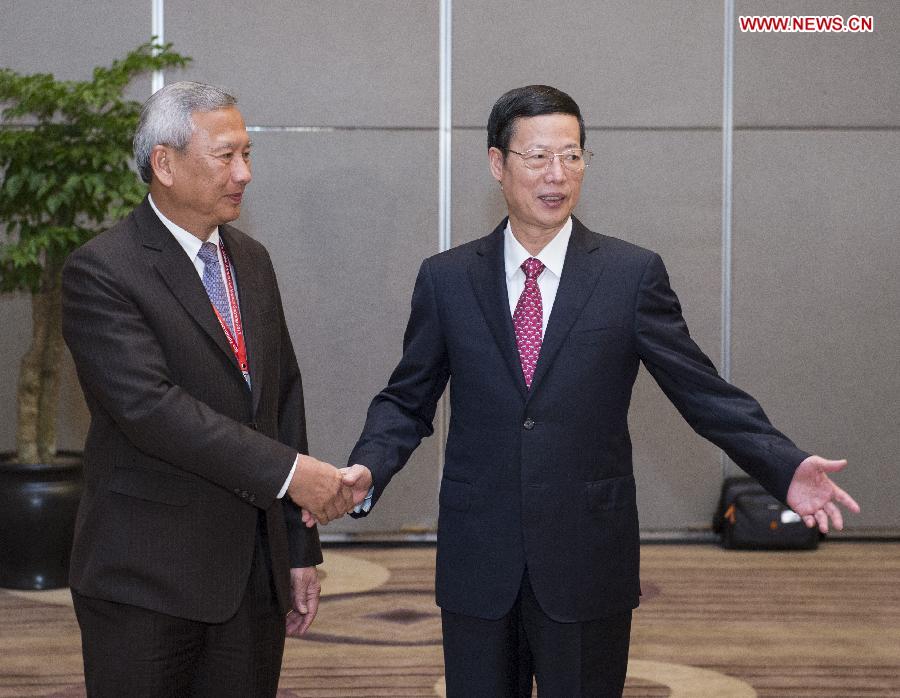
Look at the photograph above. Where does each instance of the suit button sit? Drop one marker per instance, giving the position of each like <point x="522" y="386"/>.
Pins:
<point x="244" y="495"/>
<point x="529" y="424"/>
<point x="252" y="498"/>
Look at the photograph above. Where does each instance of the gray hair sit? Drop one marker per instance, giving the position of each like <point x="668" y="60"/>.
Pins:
<point x="166" y="118"/>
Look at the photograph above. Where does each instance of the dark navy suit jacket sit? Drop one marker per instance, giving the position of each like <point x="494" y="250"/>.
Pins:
<point x="543" y="478"/>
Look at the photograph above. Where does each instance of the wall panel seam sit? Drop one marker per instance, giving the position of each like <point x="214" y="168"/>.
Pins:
<point x="445" y="158"/>
<point x="157" y="29"/>
<point x="727" y="192"/>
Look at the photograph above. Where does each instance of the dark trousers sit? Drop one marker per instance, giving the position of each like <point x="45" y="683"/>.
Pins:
<point x="498" y="658"/>
<point x="135" y="652"/>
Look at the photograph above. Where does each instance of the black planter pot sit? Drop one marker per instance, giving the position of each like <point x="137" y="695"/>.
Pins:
<point x="38" y="504"/>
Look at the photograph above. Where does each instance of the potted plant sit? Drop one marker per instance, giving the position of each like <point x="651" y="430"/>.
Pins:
<point x="65" y="175"/>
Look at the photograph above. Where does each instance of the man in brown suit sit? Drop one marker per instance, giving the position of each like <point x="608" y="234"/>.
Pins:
<point x="189" y="549"/>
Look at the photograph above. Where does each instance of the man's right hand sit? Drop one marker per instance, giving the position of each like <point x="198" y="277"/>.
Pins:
<point x="358" y="479"/>
<point x="319" y="488"/>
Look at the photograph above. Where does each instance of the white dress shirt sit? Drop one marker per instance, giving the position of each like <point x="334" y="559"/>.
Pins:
<point x="191" y="244"/>
<point x="553" y="256"/>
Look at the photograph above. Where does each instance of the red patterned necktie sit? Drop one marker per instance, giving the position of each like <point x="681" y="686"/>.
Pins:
<point x="528" y="319"/>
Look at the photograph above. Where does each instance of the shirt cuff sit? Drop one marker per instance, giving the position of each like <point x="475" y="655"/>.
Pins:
<point x="290" y="476"/>
<point x="366" y="504"/>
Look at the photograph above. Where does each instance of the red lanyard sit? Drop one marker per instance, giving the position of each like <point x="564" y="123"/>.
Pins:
<point x="236" y="341"/>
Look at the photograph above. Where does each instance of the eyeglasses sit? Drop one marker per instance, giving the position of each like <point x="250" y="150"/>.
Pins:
<point x="573" y="159"/>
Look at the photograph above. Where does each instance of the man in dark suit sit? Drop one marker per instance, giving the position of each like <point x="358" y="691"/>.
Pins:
<point x="540" y="328"/>
<point x="189" y="549"/>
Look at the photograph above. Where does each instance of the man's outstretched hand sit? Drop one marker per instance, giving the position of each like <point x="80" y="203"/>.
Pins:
<point x="815" y="497"/>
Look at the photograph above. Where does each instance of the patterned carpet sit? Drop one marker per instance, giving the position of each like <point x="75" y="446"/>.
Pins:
<point x="712" y="624"/>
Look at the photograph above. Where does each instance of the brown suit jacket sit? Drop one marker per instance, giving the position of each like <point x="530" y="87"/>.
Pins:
<point x="181" y="456"/>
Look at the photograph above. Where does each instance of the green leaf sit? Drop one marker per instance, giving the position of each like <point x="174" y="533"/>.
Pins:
<point x="12" y="185"/>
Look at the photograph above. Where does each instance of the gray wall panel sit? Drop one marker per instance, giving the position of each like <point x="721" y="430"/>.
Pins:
<point x="347" y="228"/>
<point x="356" y="63"/>
<point x="15" y="338"/>
<point x="69" y="38"/>
<point x="791" y="79"/>
<point x="659" y="190"/>
<point x="626" y="62"/>
<point x="816" y="313"/>
<point x="476" y="201"/>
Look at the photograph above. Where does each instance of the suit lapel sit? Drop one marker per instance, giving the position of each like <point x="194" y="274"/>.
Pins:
<point x="180" y="275"/>
<point x="581" y="271"/>
<point x="248" y="288"/>
<point x="487" y="274"/>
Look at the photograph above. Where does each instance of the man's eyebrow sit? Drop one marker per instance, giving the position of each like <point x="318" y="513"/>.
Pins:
<point x="541" y="146"/>
<point x="230" y="145"/>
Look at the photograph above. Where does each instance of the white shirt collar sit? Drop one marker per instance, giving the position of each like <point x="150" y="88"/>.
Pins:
<point x="553" y="255"/>
<point x="188" y="241"/>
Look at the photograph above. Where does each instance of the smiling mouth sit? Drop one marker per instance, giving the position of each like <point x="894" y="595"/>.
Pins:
<point x="552" y="199"/>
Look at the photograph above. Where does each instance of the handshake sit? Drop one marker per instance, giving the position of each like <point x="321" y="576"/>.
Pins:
<point x="326" y="493"/>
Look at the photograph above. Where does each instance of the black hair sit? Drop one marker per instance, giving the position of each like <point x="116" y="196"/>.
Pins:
<point x="533" y="100"/>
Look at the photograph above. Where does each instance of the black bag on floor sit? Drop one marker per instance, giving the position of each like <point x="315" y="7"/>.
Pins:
<point x="749" y="518"/>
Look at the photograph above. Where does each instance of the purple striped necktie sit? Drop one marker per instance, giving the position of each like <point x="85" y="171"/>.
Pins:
<point x="212" y="282"/>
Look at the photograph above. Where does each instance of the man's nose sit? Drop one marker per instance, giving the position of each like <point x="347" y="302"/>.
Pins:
<point x="240" y="171"/>
<point x="555" y="170"/>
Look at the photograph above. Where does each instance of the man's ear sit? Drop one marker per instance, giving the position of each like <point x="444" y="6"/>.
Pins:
<point x="162" y="165"/>
<point x="495" y="157"/>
